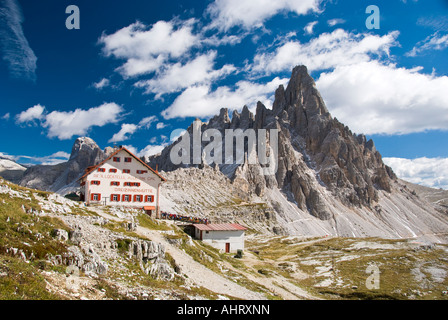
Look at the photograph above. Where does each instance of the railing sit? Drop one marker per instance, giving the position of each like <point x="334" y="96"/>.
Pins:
<point x="176" y="217"/>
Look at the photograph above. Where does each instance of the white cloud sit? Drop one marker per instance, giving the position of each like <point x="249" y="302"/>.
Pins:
<point x="34" y="113"/>
<point x="430" y="172"/>
<point x="160" y="125"/>
<point x="432" y="42"/>
<point x="6" y="116"/>
<point x="146" y="122"/>
<point x="333" y="22"/>
<point x="373" y="98"/>
<point x="103" y="83"/>
<point x="17" y="53"/>
<point x="309" y="28"/>
<point x="327" y="51"/>
<point x="250" y="14"/>
<point x="65" y="124"/>
<point x="7" y="156"/>
<point x="176" y="77"/>
<point x="126" y="130"/>
<point x="55" y="158"/>
<point x="226" y="39"/>
<point x="146" y="49"/>
<point x="201" y="101"/>
<point x="149" y="150"/>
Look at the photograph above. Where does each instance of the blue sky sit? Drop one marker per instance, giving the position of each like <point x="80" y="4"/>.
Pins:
<point x="136" y="71"/>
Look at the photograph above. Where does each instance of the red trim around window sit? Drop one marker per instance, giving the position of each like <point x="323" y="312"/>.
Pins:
<point x="93" y="196"/>
<point x="112" y="197"/>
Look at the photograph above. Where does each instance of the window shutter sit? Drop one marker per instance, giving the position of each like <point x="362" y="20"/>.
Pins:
<point x="118" y="197"/>
<point x="91" y="196"/>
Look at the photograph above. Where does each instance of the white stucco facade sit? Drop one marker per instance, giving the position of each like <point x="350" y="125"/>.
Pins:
<point x="225" y="240"/>
<point x="122" y="179"/>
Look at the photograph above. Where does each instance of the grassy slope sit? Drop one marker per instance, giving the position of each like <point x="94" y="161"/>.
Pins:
<point x="332" y="268"/>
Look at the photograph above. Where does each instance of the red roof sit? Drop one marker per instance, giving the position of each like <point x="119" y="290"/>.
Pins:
<point x="220" y="227"/>
<point x="92" y="168"/>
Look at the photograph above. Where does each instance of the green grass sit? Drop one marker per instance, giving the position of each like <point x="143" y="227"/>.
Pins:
<point x="25" y="231"/>
<point x="347" y="267"/>
<point x="21" y="281"/>
<point x="145" y="221"/>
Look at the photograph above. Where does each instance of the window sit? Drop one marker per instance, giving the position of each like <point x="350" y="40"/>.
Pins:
<point x="149" y="198"/>
<point x="113" y="170"/>
<point x="116" y="159"/>
<point x="101" y="170"/>
<point x="132" y="184"/>
<point x="115" y="197"/>
<point x="126" y="198"/>
<point x="142" y="171"/>
<point x="138" y="198"/>
<point x="127" y="159"/>
<point x="126" y="171"/>
<point x="95" y="182"/>
<point x="96" y="197"/>
<point x="115" y="183"/>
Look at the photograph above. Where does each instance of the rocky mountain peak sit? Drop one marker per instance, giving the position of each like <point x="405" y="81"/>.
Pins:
<point x="85" y="153"/>
<point x="63" y="177"/>
<point x="314" y="150"/>
<point x="221" y="121"/>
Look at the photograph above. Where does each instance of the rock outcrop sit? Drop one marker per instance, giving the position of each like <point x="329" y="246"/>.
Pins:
<point x="11" y="170"/>
<point x="151" y="258"/>
<point x="308" y="137"/>
<point x="62" y="177"/>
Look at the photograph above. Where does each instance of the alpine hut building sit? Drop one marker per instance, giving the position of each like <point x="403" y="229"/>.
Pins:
<point x="123" y="180"/>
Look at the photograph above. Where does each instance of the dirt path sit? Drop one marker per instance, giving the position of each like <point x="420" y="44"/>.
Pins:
<point x="276" y="283"/>
<point x="202" y="276"/>
<point x="196" y="272"/>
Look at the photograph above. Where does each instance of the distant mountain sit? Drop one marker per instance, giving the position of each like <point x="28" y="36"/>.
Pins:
<point x="11" y="170"/>
<point x="329" y="180"/>
<point x="62" y="177"/>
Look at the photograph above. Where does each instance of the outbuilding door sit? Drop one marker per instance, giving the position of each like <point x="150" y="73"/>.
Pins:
<point x="227" y="247"/>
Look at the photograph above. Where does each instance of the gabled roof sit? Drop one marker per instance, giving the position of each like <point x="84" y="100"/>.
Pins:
<point x="220" y="227"/>
<point x="93" y="168"/>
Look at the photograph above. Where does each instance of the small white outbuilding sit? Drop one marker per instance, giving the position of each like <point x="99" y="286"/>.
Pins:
<point x="228" y="237"/>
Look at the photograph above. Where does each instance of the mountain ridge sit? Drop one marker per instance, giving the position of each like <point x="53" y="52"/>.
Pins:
<point x="329" y="181"/>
